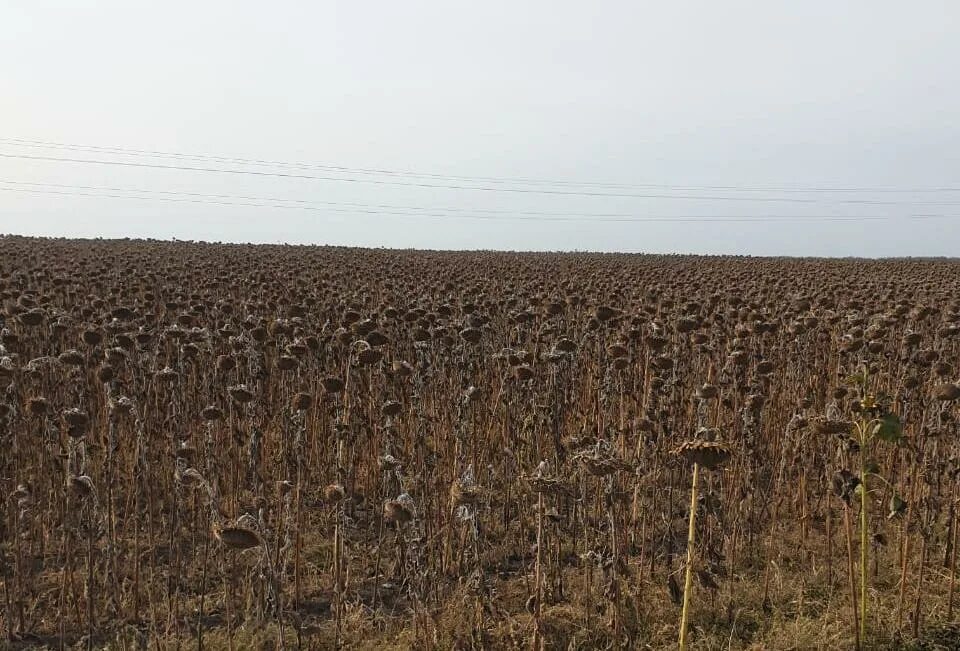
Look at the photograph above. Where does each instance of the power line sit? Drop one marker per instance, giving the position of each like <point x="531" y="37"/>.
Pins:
<point x="724" y="219"/>
<point x="318" y="202"/>
<point x="296" y="165"/>
<point x="472" y="188"/>
<point x="475" y="179"/>
<point x="101" y="188"/>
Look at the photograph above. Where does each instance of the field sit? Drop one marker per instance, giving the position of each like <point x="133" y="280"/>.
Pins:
<point x="268" y="447"/>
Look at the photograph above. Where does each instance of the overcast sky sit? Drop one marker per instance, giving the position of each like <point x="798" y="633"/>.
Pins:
<point x="781" y="95"/>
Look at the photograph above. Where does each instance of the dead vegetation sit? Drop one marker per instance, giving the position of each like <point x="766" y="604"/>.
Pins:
<point x="234" y="446"/>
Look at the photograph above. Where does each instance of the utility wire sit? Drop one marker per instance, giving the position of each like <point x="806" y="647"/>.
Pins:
<point x="45" y="144"/>
<point x="765" y="218"/>
<point x="463" y="187"/>
<point x="100" y="188"/>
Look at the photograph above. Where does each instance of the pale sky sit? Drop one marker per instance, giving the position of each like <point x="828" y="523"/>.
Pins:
<point x="765" y="94"/>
